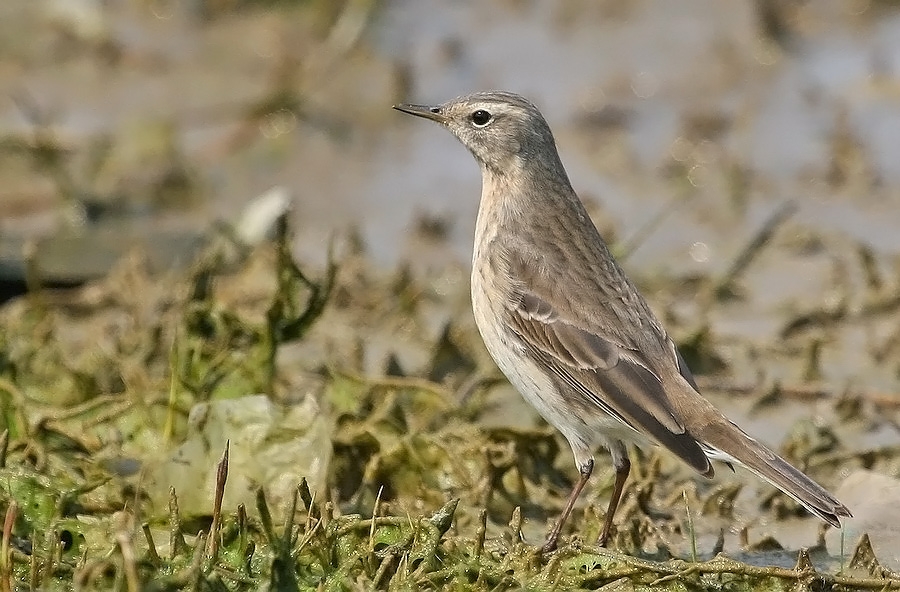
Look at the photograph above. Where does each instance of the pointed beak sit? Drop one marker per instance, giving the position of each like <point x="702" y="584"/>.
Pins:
<point x="432" y="113"/>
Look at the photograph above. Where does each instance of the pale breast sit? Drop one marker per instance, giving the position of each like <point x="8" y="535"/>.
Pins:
<point x="526" y="376"/>
<point x="583" y="429"/>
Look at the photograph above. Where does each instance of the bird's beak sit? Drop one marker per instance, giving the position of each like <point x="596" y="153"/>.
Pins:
<point x="432" y="113"/>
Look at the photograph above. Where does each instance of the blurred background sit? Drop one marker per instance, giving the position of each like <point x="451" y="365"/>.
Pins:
<point x="748" y="152"/>
<point x="687" y="127"/>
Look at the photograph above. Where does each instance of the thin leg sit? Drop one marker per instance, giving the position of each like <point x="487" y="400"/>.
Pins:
<point x="623" y="466"/>
<point x="585" y="472"/>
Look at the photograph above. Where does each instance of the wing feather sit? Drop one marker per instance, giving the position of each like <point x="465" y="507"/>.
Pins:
<point x="604" y="375"/>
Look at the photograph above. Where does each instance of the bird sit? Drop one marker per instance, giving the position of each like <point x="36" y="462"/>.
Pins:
<point x="570" y="330"/>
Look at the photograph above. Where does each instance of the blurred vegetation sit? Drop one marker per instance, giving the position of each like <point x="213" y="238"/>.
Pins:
<point x="421" y="490"/>
<point x="97" y="382"/>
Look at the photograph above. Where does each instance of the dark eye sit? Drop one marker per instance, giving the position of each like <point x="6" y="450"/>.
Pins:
<point x="481" y="118"/>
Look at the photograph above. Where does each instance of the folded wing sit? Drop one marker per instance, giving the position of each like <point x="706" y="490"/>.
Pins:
<point x="605" y="374"/>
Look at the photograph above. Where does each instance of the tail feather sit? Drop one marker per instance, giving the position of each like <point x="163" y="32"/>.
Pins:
<point x="728" y="442"/>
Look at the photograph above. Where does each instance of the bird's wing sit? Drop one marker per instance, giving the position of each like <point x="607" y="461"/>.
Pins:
<point x="603" y="372"/>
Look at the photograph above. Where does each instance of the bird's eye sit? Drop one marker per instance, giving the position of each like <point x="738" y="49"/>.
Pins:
<point x="481" y="118"/>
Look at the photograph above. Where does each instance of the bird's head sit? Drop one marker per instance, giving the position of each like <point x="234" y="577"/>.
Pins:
<point x="502" y="130"/>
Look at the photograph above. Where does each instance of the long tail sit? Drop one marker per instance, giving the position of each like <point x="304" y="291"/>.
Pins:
<point x="726" y="441"/>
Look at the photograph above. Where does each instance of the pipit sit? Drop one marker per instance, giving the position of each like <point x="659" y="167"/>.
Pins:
<point x="569" y="329"/>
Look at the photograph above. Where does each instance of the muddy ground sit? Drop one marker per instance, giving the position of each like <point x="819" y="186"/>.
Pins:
<point x="741" y="159"/>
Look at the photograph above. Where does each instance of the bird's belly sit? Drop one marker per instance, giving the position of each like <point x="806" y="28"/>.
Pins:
<point x="532" y="381"/>
<point x="585" y="429"/>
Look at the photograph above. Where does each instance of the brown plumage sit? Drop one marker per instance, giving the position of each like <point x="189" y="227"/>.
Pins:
<point x="570" y="330"/>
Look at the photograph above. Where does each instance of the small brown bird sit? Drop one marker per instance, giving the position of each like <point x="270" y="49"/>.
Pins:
<point x="570" y="330"/>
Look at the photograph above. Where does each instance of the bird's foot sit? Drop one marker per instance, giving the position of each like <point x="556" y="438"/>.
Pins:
<point x="603" y="538"/>
<point x="550" y="544"/>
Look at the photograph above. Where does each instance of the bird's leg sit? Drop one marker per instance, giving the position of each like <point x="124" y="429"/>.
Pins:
<point x="585" y="471"/>
<point x="623" y="466"/>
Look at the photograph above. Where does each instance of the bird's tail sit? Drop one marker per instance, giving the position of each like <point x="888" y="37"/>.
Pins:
<point x="728" y="442"/>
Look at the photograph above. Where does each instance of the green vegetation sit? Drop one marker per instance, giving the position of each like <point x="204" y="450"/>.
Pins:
<point x="99" y="383"/>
